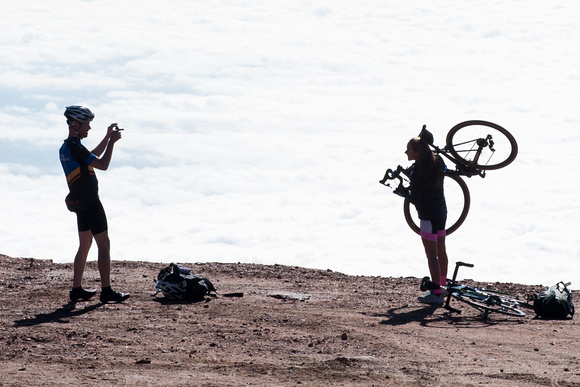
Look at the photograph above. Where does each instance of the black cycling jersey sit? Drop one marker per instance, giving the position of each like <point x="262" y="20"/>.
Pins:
<point x="428" y="198"/>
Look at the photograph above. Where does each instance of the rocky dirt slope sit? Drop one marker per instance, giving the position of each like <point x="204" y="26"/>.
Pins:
<point x="289" y="326"/>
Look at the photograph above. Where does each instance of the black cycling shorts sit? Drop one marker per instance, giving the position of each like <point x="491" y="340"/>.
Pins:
<point x="433" y="229"/>
<point x="93" y="219"/>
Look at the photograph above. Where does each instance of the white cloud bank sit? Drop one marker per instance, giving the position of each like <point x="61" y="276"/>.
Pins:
<point x="257" y="131"/>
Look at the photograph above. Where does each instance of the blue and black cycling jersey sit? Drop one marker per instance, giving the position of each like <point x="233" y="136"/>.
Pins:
<point x="76" y="162"/>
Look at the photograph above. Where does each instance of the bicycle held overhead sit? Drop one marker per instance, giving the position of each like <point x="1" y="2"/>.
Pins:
<point x="473" y="147"/>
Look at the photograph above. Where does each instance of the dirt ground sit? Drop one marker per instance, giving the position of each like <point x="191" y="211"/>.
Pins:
<point x="286" y="326"/>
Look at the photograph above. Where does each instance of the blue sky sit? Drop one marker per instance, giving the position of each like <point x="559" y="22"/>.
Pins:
<point x="256" y="131"/>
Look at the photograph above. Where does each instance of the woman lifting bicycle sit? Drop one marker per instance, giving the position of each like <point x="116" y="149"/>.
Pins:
<point x="473" y="147"/>
<point x="426" y="193"/>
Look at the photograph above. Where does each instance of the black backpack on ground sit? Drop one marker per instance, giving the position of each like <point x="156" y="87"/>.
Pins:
<point x="177" y="283"/>
<point x="555" y="302"/>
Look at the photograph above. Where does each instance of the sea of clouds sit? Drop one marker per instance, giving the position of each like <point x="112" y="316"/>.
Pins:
<point x="257" y="131"/>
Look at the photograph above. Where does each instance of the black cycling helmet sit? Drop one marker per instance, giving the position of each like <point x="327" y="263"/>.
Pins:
<point x="426" y="135"/>
<point x="78" y="113"/>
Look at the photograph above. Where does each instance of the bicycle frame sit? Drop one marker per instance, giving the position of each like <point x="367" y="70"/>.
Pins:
<point x="460" y="168"/>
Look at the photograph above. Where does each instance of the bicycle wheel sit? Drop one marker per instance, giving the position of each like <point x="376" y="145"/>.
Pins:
<point x="489" y="303"/>
<point x="457" y="199"/>
<point x="498" y="147"/>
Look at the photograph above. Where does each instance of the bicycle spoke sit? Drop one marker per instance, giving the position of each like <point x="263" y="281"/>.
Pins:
<point x="457" y="145"/>
<point x="489" y="159"/>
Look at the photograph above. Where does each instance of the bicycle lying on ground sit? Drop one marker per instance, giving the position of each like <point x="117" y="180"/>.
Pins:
<point x="484" y="300"/>
<point x="474" y="147"/>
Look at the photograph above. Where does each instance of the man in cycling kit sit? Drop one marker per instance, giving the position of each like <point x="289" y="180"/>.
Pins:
<point x="79" y="164"/>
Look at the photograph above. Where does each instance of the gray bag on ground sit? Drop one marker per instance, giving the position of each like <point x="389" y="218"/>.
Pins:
<point x="556" y="302"/>
<point x="177" y="283"/>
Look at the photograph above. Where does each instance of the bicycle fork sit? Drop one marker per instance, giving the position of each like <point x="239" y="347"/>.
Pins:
<point x="482" y="143"/>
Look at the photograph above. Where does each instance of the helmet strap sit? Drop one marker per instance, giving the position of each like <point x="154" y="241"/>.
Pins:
<point x="71" y="125"/>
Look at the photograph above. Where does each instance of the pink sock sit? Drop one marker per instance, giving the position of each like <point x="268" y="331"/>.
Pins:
<point x="443" y="280"/>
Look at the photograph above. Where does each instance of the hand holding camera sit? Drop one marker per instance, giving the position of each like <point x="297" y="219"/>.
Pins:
<point x="114" y="132"/>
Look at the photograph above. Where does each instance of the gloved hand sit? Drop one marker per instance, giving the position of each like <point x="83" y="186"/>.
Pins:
<point x="402" y="191"/>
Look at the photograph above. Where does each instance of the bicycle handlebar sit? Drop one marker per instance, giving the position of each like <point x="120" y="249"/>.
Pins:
<point x="464" y="264"/>
<point x="392" y="175"/>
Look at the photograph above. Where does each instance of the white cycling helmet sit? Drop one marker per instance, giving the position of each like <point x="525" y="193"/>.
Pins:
<point x="171" y="289"/>
<point x="79" y="113"/>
